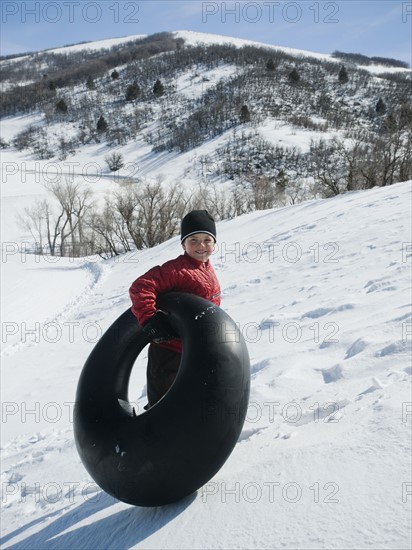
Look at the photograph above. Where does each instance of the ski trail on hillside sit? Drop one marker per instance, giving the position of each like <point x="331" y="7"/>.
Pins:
<point x="97" y="272"/>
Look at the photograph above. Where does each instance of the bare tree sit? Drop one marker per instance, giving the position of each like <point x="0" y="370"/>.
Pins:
<point x="74" y="203"/>
<point x="159" y="212"/>
<point x="44" y="226"/>
<point x="55" y="226"/>
<point x="110" y="235"/>
<point x="151" y="214"/>
<point x="295" y="192"/>
<point x="263" y="192"/>
<point x="33" y="220"/>
<point x="126" y="205"/>
<point x="337" y="167"/>
<point x="114" y="161"/>
<point x="218" y="201"/>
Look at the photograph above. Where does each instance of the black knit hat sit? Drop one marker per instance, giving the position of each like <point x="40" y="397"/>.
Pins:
<point x="198" y="221"/>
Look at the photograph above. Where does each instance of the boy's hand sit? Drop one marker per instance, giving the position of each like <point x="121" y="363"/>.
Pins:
<point x="158" y="328"/>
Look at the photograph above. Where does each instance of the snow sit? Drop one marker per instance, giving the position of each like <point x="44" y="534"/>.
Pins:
<point x="321" y="292"/>
<point x="85" y="46"/>
<point x="193" y="86"/>
<point x="287" y="135"/>
<point x="11" y="126"/>
<point x="382" y="69"/>
<point x="194" y="38"/>
<point x="105" y="44"/>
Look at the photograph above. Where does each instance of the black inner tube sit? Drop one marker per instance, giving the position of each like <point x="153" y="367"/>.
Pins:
<point x="174" y="448"/>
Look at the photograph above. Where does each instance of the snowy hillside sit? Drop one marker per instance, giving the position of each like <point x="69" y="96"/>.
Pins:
<point x="197" y="109"/>
<point x="321" y="291"/>
<point x="194" y="38"/>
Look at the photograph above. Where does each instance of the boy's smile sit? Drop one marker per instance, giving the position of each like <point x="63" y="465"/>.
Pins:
<point x="199" y="246"/>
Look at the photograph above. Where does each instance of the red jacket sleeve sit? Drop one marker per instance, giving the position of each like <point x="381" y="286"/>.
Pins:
<point x="145" y="289"/>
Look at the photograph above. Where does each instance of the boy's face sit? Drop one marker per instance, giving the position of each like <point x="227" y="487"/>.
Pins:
<point x="199" y="246"/>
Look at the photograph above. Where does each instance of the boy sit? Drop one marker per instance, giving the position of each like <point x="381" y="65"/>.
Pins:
<point x="190" y="272"/>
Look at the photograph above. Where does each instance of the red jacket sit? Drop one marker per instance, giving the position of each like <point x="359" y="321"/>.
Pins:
<point x="183" y="274"/>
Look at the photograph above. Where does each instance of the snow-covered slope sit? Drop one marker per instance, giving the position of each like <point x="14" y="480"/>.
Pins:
<point x="195" y="38"/>
<point x="98" y="44"/>
<point x="322" y="295"/>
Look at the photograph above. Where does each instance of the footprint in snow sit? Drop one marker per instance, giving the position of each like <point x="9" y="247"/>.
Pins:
<point x="332" y="374"/>
<point x="247" y="433"/>
<point x="376" y="385"/>
<point x="357" y="347"/>
<point x="321" y="311"/>
<point x="393" y="348"/>
<point x="405" y="317"/>
<point x="287" y="435"/>
<point x="12" y="477"/>
<point x="328" y="413"/>
<point x="316" y="313"/>
<point x="379" y="286"/>
<point x="257" y="367"/>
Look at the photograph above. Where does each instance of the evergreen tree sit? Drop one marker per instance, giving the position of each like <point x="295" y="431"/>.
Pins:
<point x="115" y="75"/>
<point x="132" y="92"/>
<point x="343" y="75"/>
<point x="101" y="126"/>
<point x="61" y="106"/>
<point x="244" y="114"/>
<point x="281" y="181"/>
<point x="390" y="124"/>
<point x="294" y="76"/>
<point x="158" y="88"/>
<point x="405" y="116"/>
<point x="380" y="107"/>
<point x="270" y="65"/>
<point x="90" y="85"/>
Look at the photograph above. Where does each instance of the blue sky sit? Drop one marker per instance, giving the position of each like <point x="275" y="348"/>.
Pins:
<point x="370" y="27"/>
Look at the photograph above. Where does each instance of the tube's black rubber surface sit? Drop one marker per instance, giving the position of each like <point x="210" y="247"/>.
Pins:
<point x="174" y="448"/>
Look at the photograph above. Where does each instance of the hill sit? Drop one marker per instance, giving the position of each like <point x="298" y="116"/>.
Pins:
<point x="321" y="292"/>
<point x="233" y="124"/>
